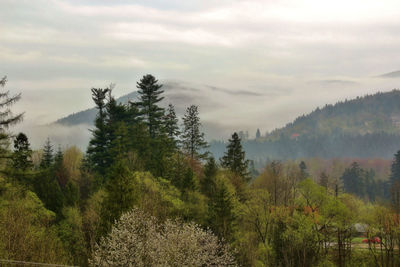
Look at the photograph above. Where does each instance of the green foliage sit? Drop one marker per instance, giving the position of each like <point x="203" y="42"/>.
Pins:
<point x="71" y="234"/>
<point x="47" y="157"/>
<point x="221" y="213"/>
<point x="22" y="153"/>
<point x="208" y="183"/>
<point x="149" y="97"/>
<point x="121" y="194"/>
<point x="234" y="159"/>
<point x="27" y="230"/>
<point x="192" y="138"/>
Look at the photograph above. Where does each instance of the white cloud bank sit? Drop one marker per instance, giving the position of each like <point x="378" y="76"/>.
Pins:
<point x="294" y="55"/>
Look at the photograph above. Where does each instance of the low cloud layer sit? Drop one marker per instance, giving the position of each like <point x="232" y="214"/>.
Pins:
<point x="249" y="63"/>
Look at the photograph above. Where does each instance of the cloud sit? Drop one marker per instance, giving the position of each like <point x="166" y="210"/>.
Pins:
<point x="247" y="63"/>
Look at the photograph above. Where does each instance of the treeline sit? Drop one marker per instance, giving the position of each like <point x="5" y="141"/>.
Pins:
<point x="147" y="193"/>
<point x="374" y="145"/>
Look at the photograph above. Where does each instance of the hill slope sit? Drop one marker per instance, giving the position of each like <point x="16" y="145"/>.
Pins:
<point x="364" y="115"/>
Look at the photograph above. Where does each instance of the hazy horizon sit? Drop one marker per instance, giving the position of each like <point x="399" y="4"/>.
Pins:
<point x="273" y="60"/>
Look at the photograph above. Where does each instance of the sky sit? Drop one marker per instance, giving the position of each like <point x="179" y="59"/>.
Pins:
<point x="271" y="61"/>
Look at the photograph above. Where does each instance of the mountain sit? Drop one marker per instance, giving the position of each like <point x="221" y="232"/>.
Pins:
<point x="364" y="115"/>
<point x="393" y="74"/>
<point x="88" y="116"/>
<point x="365" y="127"/>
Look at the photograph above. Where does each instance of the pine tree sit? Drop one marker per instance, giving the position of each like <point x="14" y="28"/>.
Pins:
<point x="354" y="180"/>
<point x="394" y="182"/>
<point x="234" y="158"/>
<point x="121" y="194"/>
<point x="171" y="127"/>
<point x="192" y="139"/>
<point x="149" y="97"/>
<point x="220" y="209"/>
<point x="47" y="158"/>
<point x="98" y="143"/>
<point x="303" y="170"/>
<point x="7" y="118"/>
<point x="324" y="180"/>
<point x="208" y="183"/>
<point x="22" y="153"/>
<point x="258" y="134"/>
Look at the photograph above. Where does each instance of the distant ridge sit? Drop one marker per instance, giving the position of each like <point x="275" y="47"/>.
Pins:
<point x="375" y="113"/>
<point x="393" y="74"/>
<point x="88" y="116"/>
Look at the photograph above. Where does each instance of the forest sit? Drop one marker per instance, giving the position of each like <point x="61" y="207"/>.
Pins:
<point x="147" y="192"/>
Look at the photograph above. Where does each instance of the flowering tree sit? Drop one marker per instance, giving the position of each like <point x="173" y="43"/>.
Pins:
<point x="138" y="240"/>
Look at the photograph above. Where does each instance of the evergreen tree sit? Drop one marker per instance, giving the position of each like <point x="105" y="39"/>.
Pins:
<point x="98" y="143"/>
<point x="354" y="180"/>
<point x="48" y="190"/>
<point x="22" y="153"/>
<point x="324" y="180"/>
<point x="208" y="183"/>
<point x="303" y="170"/>
<point x="47" y="157"/>
<point x="220" y="212"/>
<point x="7" y="118"/>
<point x="59" y="169"/>
<point x="258" y="134"/>
<point x="149" y="97"/>
<point x="234" y="158"/>
<point x="192" y="139"/>
<point x="394" y="182"/>
<point x="171" y="124"/>
<point x="121" y="194"/>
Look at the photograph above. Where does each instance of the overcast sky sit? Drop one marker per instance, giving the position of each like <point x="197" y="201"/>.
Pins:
<point x="274" y="59"/>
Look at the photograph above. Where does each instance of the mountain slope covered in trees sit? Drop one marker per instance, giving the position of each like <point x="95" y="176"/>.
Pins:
<point x="365" y="127"/>
<point x="364" y="115"/>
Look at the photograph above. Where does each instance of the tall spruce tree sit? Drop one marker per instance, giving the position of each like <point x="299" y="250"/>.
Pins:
<point x="22" y="153"/>
<point x="192" y="138"/>
<point x="303" y="170"/>
<point x="7" y="118"/>
<point x="121" y="194"/>
<point x="171" y="127"/>
<point x="98" y="143"/>
<point x="354" y="180"/>
<point x="234" y="158"/>
<point x="149" y="97"/>
<point x="221" y="216"/>
<point x="258" y="134"/>
<point x="47" y="157"/>
<point x="208" y="183"/>
<point x="394" y="182"/>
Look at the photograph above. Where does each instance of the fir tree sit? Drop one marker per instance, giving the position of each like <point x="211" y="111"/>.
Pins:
<point x="171" y="127"/>
<point x="394" y="182"/>
<point x="121" y="194"/>
<point x="220" y="209"/>
<point x="303" y="170"/>
<point x="47" y="158"/>
<point x="208" y="183"/>
<point x="354" y="180"/>
<point x="22" y="153"/>
<point x="149" y="97"/>
<point x="7" y="118"/>
<point x="192" y="139"/>
<point x="234" y="158"/>
<point x="324" y="180"/>
<point x="98" y="143"/>
<point x="258" y="134"/>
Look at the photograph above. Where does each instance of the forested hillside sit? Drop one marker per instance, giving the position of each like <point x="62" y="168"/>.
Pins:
<point x="364" y="115"/>
<point x="147" y="193"/>
<point x="365" y="127"/>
